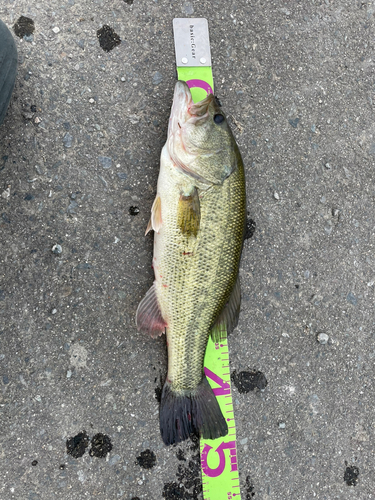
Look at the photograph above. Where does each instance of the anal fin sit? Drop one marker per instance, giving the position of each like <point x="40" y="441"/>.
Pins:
<point x="149" y="319"/>
<point x="228" y="318"/>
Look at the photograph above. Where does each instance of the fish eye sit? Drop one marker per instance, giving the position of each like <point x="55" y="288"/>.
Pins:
<point x="218" y="119"/>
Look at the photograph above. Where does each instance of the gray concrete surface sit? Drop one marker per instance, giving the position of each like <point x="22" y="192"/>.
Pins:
<point x="80" y="146"/>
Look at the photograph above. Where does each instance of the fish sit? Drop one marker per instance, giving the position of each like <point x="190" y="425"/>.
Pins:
<point x="199" y="219"/>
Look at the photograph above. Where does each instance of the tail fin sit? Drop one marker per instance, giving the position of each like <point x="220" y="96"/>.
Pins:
<point x="190" y="412"/>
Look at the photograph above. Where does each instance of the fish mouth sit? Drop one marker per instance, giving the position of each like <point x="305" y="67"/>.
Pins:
<point x="183" y="114"/>
<point x="185" y="110"/>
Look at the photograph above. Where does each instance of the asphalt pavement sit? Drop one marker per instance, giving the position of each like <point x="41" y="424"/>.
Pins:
<point x="79" y="160"/>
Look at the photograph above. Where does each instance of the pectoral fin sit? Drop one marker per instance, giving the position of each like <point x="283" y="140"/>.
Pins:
<point x="148" y="316"/>
<point x="188" y="217"/>
<point x="155" y="220"/>
<point x="228" y="318"/>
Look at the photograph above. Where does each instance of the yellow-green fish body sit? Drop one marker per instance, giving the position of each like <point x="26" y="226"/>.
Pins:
<point x="198" y="217"/>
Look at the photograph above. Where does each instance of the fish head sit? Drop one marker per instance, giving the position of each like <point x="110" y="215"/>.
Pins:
<point x="200" y="142"/>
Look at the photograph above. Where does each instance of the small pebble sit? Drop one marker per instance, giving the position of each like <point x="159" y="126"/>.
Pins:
<point x="68" y="140"/>
<point x="281" y="425"/>
<point x="57" y="249"/>
<point x="5" y="194"/>
<point x="276" y="195"/>
<point x="92" y="100"/>
<point x="322" y="338"/>
<point x="328" y="166"/>
<point x="56" y="29"/>
<point x="123" y="79"/>
<point x="105" y="161"/>
<point x="157" y="78"/>
<point x="54" y="311"/>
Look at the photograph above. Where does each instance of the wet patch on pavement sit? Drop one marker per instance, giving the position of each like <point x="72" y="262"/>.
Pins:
<point x="351" y="475"/>
<point x="189" y="482"/>
<point x="250" y="228"/>
<point x="147" y="459"/>
<point x="249" y="489"/>
<point x="248" y="381"/>
<point x="108" y="38"/>
<point x="24" y="27"/>
<point x="133" y="210"/>
<point x="76" y="445"/>
<point x="100" y="445"/>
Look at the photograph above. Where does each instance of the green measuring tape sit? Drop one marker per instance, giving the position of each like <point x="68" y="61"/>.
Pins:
<point x="220" y="477"/>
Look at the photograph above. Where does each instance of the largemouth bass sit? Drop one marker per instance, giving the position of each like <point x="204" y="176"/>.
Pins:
<point x="198" y="216"/>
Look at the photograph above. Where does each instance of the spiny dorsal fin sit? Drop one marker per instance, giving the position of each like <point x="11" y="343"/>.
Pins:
<point x="155" y="221"/>
<point x="148" y="316"/>
<point x="189" y="214"/>
<point x="228" y="318"/>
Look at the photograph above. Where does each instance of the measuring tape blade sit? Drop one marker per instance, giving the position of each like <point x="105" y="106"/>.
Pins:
<point x="220" y="477"/>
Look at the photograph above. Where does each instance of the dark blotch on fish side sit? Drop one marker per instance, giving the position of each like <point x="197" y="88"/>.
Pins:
<point x="100" y="445"/>
<point x="147" y="459"/>
<point x="250" y="493"/>
<point x="108" y="39"/>
<point x="24" y="27"/>
<point x="76" y="446"/>
<point x="250" y="228"/>
<point x="351" y="475"/>
<point x="248" y="381"/>
<point x="133" y="210"/>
